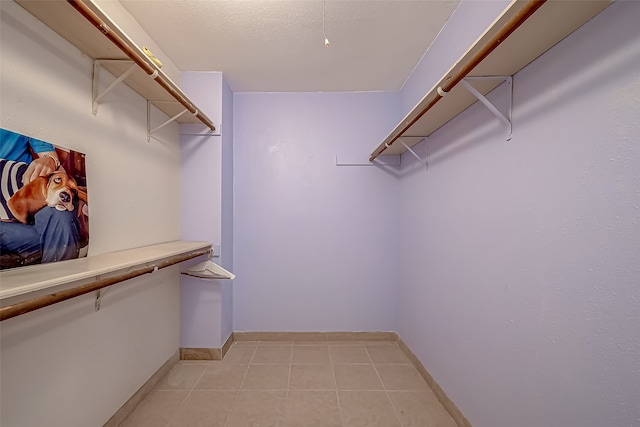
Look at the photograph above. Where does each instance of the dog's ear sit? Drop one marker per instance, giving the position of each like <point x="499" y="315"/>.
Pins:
<point x="18" y="208"/>
<point x="22" y="201"/>
<point x="82" y="194"/>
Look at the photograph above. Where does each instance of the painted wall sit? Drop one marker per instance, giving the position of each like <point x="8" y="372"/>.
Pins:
<point x="68" y="365"/>
<point x="206" y="209"/>
<point x="129" y="26"/>
<point x="520" y="261"/>
<point x="314" y="243"/>
<point x="466" y="24"/>
<point x="226" y="214"/>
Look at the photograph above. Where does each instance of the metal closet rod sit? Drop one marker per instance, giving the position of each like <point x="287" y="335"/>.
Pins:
<point x="135" y="56"/>
<point x="24" y="307"/>
<point x="509" y="27"/>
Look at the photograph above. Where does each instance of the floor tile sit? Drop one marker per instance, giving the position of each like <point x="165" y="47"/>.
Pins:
<point x="312" y="409"/>
<point x="156" y="409"/>
<point x="356" y="377"/>
<point x="387" y="354"/>
<point x="205" y="408"/>
<point x="367" y="409"/>
<point x="418" y="409"/>
<point x="222" y="376"/>
<point x="295" y="384"/>
<point x="241" y="354"/>
<point x="241" y="343"/>
<point x="183" y="376"/>
<point x="360" y="336"/>
<point x="311" y="377"/>
<point x="379" y="343"/>
<point x="309" y="342"/>
<point x="273" y="354"/>
<point x="273" y="343"/>
<point x="258" y="409"/>
<point x="347" y="343"/>
<point x="349" y="354"/>
<point x="401" y="377"/>
<point x="310" y="354"/>
<point x="266" y="377"/>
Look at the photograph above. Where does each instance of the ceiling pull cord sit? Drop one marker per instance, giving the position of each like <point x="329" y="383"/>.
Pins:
<point x="324" y="7"/>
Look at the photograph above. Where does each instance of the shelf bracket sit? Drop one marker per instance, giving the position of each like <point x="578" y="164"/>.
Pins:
<point x="425" y="162"/>
<point x="99" y="295"/>
<point x="97" y="65"/>
<point x="505" y="119"/>
<point x="174" y="118"/>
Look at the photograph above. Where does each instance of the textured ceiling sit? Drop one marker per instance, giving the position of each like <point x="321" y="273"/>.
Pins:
<point x="278" y="45"/>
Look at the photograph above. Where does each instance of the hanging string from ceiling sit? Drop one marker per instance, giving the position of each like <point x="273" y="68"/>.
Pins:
<point x="324" y="8"/>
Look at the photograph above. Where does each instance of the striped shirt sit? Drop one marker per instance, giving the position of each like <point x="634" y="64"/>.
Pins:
<point x="10" y="181"/>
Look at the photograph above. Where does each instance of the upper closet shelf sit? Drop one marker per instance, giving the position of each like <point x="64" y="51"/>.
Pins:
<point x="88" y="28"/>
<point x="525" y="30"/>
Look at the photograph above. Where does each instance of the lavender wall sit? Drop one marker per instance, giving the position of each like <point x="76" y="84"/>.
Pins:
<point x="467" y="23"/>
<point x="520" y="261"/>
<point x="204" y="304"/>
<point x="226" y="213"/>
<point x="315" y="244"/>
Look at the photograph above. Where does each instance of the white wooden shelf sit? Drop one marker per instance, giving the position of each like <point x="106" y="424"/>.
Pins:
<point x="24" y="283"/>
<point x="524" y="31"/>
<point x="79" y="22"/>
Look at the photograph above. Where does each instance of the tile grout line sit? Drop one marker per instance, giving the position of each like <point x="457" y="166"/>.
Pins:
<point x="304" y="390"/>
<point x="244" y="377"/>
<point x="186" y="397"/>
<point x="384" y="387"/>
<point x="237" y="392"/>
<point x="335" y="382"/>
<point x="289" y="378"/>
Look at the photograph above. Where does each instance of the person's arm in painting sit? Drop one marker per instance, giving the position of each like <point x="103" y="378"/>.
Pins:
<point x="18" y="147"/>
<point x="46" y="163"/>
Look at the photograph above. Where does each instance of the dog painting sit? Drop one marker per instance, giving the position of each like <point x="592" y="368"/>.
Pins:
<point x="44" y="215"/>
<point x="56" y="190"/>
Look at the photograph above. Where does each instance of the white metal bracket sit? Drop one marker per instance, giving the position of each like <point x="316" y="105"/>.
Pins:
<point x="152" y="131"/>
<point x="420" y="138"/>
<point x="99" y="294"/>
<point x="97" y="65"/>
<point x="505" y="119"/>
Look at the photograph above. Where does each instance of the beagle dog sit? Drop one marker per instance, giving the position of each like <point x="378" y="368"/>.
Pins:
<point x="55" y="190"/>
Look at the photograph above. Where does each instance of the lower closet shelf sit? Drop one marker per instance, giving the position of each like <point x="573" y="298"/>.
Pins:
<point x="19" y="285"/>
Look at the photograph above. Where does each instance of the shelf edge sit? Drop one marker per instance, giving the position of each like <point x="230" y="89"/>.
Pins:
<point x="507" y="23"/>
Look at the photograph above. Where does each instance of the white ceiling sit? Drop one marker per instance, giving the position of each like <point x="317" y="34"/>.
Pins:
<point x="278" y="45"/>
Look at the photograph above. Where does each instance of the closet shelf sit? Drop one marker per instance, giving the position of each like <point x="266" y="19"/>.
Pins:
<point x="87" y="27"/>
<point x="524" y="31"/>
<point x="29" y="288"/>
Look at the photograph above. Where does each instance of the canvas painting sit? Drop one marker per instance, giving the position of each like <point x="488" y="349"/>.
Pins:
<point x="44" y="214"/>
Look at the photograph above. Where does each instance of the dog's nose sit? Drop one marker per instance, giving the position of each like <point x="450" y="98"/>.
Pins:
<point x="65" y="197"/>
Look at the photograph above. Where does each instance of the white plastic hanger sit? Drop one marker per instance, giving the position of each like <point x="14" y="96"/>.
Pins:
<point x="209" y="270"/>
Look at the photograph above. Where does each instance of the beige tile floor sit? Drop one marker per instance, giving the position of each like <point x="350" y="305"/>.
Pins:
<point x="295" y="384"/>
